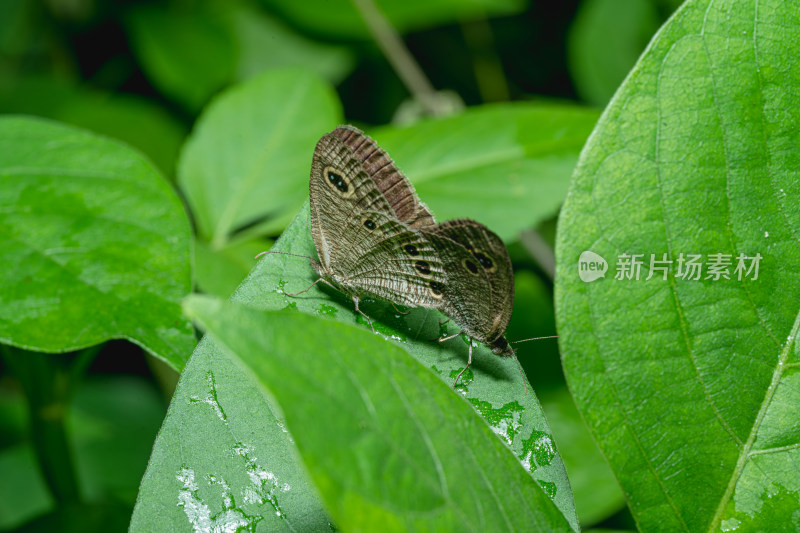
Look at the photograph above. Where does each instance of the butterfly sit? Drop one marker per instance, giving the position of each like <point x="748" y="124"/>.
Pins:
<point x="375" y="238"/>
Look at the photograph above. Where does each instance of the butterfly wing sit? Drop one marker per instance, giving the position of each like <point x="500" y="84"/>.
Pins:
<point x="339" y="187"/>
<point x="486" y="313"/>
<point x="361" y="244"/>
<point x="395" y="187"/>
<point x="389" y="260"/>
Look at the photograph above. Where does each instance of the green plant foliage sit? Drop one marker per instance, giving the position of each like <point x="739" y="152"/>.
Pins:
<point x="193" y="52"/>
<point x="24" y="494"/>
<point x="506" y="165"/>
<point x="109" y="457"/>
<point x="244" y="169"/>
<point x="605" y="40"/>
<point x="376" y="432"/>
<point x="131" y="119"/>
<point x="90" y="234"/>
<point x="341" y="19"/>
<point x="597" y="493"/>
<point x="218" y="396"/>
<point x="246" y="163"/>
<point x="188" y="53"/>
<point x="220" y="271"/>
<point x="265" y="42"/>
<point x="691" y="386"/>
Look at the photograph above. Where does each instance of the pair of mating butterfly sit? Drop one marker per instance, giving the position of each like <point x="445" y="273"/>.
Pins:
<point x="374" y="237"/>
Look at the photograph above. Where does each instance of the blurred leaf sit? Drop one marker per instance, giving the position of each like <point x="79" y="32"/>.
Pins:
<point x="129" y="118"/>
<point x="13" y="417"/>
<point x="35" y="95"/>
<point x="79" y="518"/>
<point x="597" y="493"/>
<point x="248" y="159"/>
<point x="388" y="445"/>
<point x="218" y="396"/>
<point x="533" y="316"/>
<point x="219" y="272"/>
<point x="112" y="423"/>
<point x="691" y="387"/>
<point x="189" y="54"/>
<point x="604" y="42"/>
<point x="23" y="491"/>
<point x="265" y="42"/>
<point x="340" y="19"/>
<point x="506" y="166"/>
<point x="95" y="243"/>
<point x="17" y="26"/>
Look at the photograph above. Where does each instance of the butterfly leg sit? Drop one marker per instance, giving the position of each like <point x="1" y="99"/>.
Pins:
<point x="360" y="312"/>
<point x="469" y="362"/>
<point x="399" y="311"/>
<point x="453" y="336"/>
<point x="306" y="289"/>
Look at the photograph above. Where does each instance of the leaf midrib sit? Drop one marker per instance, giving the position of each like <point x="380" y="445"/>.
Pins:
<point x="253" y="174"/>
<point x="745" y="453"/>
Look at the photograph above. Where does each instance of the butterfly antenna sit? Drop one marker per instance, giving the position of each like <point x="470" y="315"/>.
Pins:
<point x="535" y="339"/>
<point x="514" y="354"/>
<point x="282" y="253"/>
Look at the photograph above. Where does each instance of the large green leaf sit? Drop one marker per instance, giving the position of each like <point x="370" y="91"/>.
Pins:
<point x="248" y="159"/>
<point x="690" y="386"/>
<point x="507" y="166"/>
<point x="218" y="397"/>
<point x="95" y="244"/>
<point x="388" y="445"/>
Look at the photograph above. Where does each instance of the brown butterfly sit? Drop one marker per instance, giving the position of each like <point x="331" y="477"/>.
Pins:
<point x="375" y="238"/>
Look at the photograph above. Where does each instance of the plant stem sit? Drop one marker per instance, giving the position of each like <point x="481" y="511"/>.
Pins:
<point x="399" y="56"/>
<point x="486" y="64"/>
<point x="47" y="380"/>
<point x="540" y="250"/>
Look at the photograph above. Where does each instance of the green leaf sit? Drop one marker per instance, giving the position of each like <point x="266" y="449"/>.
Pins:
<point x="691" y="386"/>
<point x="79" y="518"/>
<point x="217" y="395"/>
<point x="220" y="271"/>
<point x="112" y="423"/>
<point x="247" y="162"/>
<point x="265" y="42"/>
<point x="189" y="54"/>
<point x="387" y="444"/>
<point x="23" y="492"/>
<point x="597" y="493"/>
<point x="95" y="243"/>
<point x="506" y="166"/>
<point x="341" y="19"/>
<point x="534" y="317"/>
<point x="604" y="42"/>
<point x="132" y="119"/>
